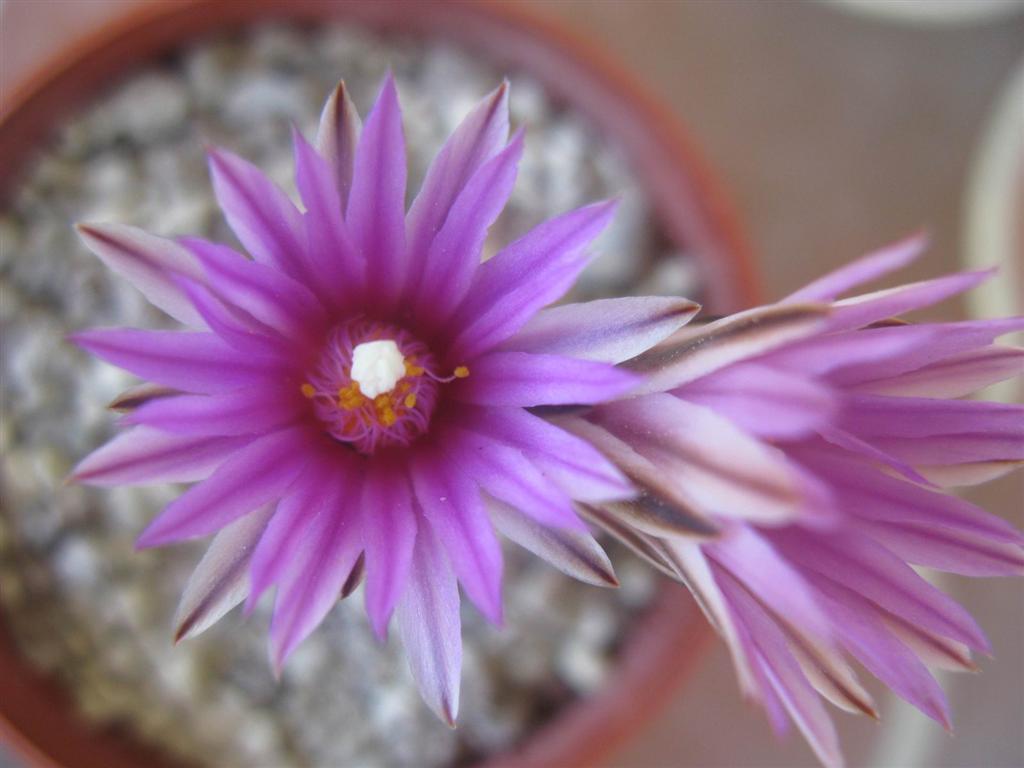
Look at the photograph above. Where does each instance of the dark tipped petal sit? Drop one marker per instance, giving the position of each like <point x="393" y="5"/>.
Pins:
<point x="648" y="548"/>
<point x="574" y="553"/>
<point x="139" y="395"/>
<point x="221" y="580"/>
<point x="696" y="351"/>
<point x="355" y="577"/>
<point x="149" y="263"/>
<point x="337" y="137"/>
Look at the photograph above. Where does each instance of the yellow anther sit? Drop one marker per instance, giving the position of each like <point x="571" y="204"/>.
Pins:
<point x="461" y="372"/>
<point x="382" y="401"/>
<point x="387" y="418"/>
<point x="411" y="369"/>
<point x="410" y="401"/>
<point x="307" y="390"/>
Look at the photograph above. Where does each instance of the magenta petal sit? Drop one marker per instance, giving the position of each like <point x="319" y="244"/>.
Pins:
<point x="244" y="412"/>
<point x="390" y="537"/>
<point x="524" y="379"/>
<point x="865" y="448"/>
<point x="949" y="550"/>
<point x="185" y="360"/>
<point x="336" y="263"/>
<point x="255" y="475"/>
<point x="322" y="560"/>
<point x="456" y="249"/>
<point x="237" y="328"/>
<point x="309" y="495"/>
<point x="451" y="504"/>
<point x="864" y="269"/>
<point x="920" y="417"/>
<point x="149" y="263"/>
<point x="479" y="137"/>
<point x="859" y="311"/>
<point x="430" y="626"/>
<point x="530" y="273"/>
<point x="337" y="137"/>
<point x="376" y="206"/>
<point x="266" y="294"/>
<point x="606" y="330"/>
<point x="144" y="456"/>
<point x="262" y="216"/>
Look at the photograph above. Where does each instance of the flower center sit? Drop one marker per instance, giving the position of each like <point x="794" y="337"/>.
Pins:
<point x="375" y="385"/>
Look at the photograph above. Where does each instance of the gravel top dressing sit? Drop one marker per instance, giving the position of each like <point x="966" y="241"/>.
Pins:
<point x="82" y="604"/>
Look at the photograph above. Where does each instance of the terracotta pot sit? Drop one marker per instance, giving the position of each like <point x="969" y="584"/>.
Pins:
<point x="36" y="716"/>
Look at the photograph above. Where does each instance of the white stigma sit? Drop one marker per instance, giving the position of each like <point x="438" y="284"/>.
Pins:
<point x="377" y="366"/>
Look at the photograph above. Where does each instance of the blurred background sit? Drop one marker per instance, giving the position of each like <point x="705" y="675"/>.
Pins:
<point x="834" y="126"/>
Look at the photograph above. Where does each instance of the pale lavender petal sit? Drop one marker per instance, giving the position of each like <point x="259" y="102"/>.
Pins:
<point x="479" y="137"/>
<point x="455" y="251"/>
<point x="376" y="206"/>
<point x="186" y="360"/>
<point x="859" y="311"/>
<point x="266" y="294"/>
<point x="606" y="330"/>
<point x="573" y="464"/>
<point x="691" y="561"/>
<point x="867" y="638"/>
<point x="337" y="137"/>
<point x="242" y="331"/>
<point x="244" y="412"/>
<point x="697" y="351"/>
<point x="782" y="671"/>
<point x="853" y="560"/>
<point x="524" y="379"/>
<point x="954" y="376"/>
<point x="574" y="553"/>
<point x="725" y="471"/>
<point x="430" y="627"/>
<point x="869" y="493"/>
<point x="866" y="449"/>
<point x="221" y="580"/>
<point x="922" y="345"/>
<point x="335" y="262"/>
<point x="144" y="456"/>
<point x="864" y="269"/>
<point x="320" y="564"/>
<point x="949" y="550"/>
<point x="530" y="273"/>
<point x="452" y="505"/>
<point x="508" y="475"/>
<point x="255" y="475"/>
<point x="390" y="536"/>
<point x="764" y="401"/>
<point x="789" y="598"/>
<point x="259" y="212"/>
<point x="149" y="263"/>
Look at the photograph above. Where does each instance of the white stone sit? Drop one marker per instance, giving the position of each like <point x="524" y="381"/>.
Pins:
<point x="377" y="366"/>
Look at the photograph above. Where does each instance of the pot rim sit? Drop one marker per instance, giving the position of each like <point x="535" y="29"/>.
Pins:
<point x="661" y="649"/>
